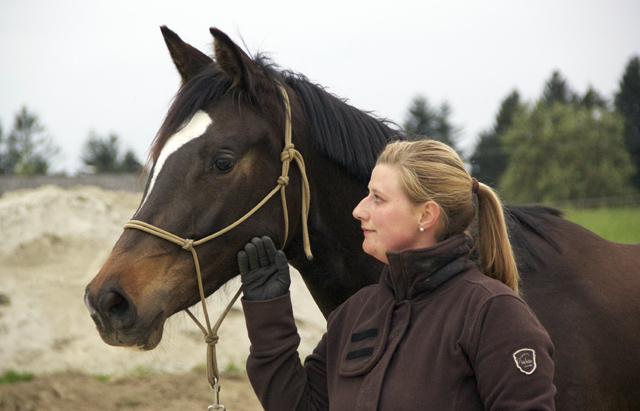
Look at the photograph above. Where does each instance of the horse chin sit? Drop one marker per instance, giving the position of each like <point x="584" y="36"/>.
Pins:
<point x="152" y="337"/>
<point x="137" y="339"/>
<point x="152" y="342"/>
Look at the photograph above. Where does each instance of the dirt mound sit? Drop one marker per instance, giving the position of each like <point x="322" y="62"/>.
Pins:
<point x="54" y="242"/>
<point x="78" y="214"/>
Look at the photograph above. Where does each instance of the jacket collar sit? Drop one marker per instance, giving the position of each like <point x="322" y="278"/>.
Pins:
<point x="413" y="272"/>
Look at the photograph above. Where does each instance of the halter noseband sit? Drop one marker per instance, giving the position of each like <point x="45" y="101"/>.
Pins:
<point x="210" y="334"/>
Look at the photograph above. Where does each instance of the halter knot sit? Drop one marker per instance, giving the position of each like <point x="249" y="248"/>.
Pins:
<point x="283" y="180"/>
<point x="211" y="339"/>
<point x="188" y="244"/>
<point x="288" y="152"/>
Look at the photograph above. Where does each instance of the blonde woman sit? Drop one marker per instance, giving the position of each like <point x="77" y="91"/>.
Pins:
<point x="435" y="333"/>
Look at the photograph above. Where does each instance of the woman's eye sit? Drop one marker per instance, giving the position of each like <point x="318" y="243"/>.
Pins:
<point x="222" y="164"/>
<point x="376" y="198"/>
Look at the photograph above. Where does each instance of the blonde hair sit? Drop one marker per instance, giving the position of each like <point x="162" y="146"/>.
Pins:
<point x="433" y="171"/>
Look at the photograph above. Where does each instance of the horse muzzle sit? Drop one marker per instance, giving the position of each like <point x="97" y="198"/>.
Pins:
<point x="116" y="318"/>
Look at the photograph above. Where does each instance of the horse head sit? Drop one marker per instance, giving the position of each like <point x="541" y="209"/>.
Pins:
<point x="217" y="154"/>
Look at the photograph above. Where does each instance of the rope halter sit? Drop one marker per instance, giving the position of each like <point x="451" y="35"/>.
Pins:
<point x="211" y="334"/>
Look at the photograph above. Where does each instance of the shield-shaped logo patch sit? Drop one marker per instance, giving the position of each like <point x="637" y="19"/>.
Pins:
<point x="525" y="360"/>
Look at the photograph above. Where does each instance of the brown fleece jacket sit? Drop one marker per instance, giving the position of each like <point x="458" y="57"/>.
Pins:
<point x="434" y="334"/>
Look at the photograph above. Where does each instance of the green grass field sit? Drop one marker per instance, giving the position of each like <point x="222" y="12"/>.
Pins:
<point x="619" y="224"/>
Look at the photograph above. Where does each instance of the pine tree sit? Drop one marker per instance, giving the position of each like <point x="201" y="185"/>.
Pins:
<point x="556" y="90"/>
<point x="103" y="153"/>
<point x="627" y="103"/>
<point x="28" y="148"/>
<point x="592" y="99"/>
<point x="425" y="121"/>
<point x="130" y="163"/>
<point x="422" y="119"/>
<point x="489" y="159"/>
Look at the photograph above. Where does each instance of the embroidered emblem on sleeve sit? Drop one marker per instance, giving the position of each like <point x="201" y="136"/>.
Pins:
<point x="525" y="360"/>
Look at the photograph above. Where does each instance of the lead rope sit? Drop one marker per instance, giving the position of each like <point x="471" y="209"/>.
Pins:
<point x="211" y="334"/>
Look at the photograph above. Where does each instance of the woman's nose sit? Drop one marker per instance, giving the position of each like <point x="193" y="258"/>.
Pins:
<point x="359" y="212"/>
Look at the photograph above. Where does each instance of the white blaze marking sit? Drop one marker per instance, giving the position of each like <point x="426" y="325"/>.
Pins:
<point x="192" y="130"/>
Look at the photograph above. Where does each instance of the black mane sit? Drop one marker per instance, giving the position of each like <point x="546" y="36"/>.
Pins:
<point x="350" y="137"/>
<point x="536" y="220"/>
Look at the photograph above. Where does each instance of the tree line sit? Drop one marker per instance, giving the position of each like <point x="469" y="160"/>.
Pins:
<point x="28" y="149"/>
<point x="564" y="146"/>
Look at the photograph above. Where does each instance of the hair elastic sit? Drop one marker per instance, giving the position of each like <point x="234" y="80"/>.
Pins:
<point x="474" y="185"/>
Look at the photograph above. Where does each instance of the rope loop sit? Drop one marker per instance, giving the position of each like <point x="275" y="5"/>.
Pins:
<point x="188" y="244"/>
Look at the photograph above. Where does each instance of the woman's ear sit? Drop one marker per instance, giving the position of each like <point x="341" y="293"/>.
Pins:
<point x="430" y="215"/>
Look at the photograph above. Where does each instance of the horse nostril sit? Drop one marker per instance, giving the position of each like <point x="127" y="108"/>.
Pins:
<point x="116" y="305"/>
<point x="118" y="309"/>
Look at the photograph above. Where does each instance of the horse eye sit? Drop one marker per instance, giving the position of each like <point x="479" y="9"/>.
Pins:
<point x="222" y="164"/>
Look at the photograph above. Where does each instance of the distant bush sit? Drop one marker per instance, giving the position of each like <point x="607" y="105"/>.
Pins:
<point x="103" y="155"/>
<point x="12" y="376"/>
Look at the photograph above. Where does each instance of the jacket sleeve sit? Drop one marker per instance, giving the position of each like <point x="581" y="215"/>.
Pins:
<point x="278" y="377"/>
<point x="511" y="354"/>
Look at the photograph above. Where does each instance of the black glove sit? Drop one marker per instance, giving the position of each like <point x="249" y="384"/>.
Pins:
<point x="264" y="270"/>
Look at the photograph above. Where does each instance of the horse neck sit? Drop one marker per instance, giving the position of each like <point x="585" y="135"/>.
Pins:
<point x="339" y="267"/>
<point x="337" y="142"/>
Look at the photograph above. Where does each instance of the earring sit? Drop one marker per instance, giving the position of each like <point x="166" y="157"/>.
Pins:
<point x="421" y="228"/>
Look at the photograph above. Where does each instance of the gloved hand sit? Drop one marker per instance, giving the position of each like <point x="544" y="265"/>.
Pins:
<point x="264" y="270"/>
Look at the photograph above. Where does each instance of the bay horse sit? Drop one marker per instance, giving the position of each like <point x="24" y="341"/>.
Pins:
<point x="217" y="154"/>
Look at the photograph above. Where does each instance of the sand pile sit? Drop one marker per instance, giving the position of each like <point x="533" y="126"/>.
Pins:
<point x="53" y="243"/>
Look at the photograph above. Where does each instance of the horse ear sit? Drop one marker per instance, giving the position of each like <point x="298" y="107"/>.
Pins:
<point x="231" y="59"/>
<point x="188" y="59"/>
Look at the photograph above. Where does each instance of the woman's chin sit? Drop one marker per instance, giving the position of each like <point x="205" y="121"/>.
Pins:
<point x="374" y="252"/>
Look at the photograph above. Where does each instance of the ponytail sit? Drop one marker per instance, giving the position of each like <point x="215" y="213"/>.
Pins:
<point x="494" y="247"/>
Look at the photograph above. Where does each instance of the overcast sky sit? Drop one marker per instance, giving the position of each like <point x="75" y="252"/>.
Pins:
<point x="103" y="66"/>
